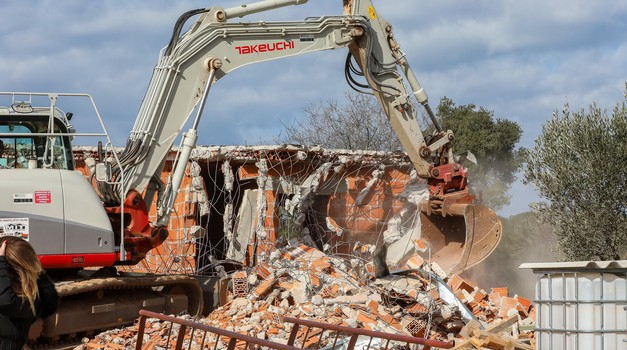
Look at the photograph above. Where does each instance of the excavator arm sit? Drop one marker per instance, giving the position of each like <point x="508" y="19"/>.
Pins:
<point x="458" y="233"/>
<point x="212" y="48"/>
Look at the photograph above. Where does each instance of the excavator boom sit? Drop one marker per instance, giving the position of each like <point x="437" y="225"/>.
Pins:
<point x="74" y="234"/>
<point x="214" y="46"/>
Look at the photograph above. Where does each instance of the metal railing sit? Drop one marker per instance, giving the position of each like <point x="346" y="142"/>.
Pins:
<point x="177" y="334"/>
<point x="317" y="335"/>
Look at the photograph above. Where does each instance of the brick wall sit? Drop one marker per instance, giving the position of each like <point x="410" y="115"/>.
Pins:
<point x="342" y="197"/>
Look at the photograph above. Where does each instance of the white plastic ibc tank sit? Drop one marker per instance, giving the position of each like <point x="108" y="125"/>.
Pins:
<point x="581" y="305"/>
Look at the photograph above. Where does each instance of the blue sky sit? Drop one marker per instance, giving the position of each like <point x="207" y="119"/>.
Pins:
<point x="521" y="59"/>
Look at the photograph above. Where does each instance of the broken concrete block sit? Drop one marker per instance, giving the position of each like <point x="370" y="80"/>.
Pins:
<point x="317" y="300"/>
<point x="348" y="312"/>
<point x="448" y="311"/>
<point x="527" y="325"/>
<point x="435" y="268"/>
<point x="284" y="303"/>
<point x="274" y="256"/>
<point x="253" y="279"/>
<point x="298" y="291"/>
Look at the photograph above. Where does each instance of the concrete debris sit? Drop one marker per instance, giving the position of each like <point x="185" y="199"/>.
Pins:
<point x="307" y="283"/>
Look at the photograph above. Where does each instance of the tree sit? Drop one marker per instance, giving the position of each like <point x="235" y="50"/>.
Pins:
<point x="359" y="123"/>
<point x="579" y="166"/>
<point x="493" y="144"/>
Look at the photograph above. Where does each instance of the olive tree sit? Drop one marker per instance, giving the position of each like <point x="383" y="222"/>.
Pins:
<point x="579" y="167"/>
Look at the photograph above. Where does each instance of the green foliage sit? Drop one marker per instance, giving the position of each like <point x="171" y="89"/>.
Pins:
<point x="579" y="166"/>
<point x="359" y="123"/>
<point x="492" y="141"/>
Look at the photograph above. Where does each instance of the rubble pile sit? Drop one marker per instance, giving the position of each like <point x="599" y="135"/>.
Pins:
<point x="421" y="300"/>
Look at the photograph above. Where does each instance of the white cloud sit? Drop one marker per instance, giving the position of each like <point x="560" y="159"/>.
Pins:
<point x="521" y="59"/>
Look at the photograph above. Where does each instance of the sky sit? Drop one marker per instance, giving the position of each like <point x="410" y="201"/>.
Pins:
<point x="520" y="59"/>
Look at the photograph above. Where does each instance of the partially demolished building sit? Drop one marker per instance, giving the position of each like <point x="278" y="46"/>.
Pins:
<point x="237" y="200"/>
<point x="301" y="226"/>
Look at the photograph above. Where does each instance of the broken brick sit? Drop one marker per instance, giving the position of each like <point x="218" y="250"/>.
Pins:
<point x="240" y="284"/>
<point x="414" y="326"/>
<point x="415" y="262"/>
<point x="458" y="283"/>
<point x="310" y="284"/>
<point x="507" y="304"/>
<point x="524" y="303"/>
<point x="501" y="291"/>
<point x="420" y="245"/>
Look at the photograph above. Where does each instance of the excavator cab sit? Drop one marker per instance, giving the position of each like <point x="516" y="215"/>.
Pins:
<point x="21" y="147"/>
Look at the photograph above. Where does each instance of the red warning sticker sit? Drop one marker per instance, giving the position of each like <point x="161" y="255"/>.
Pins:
<point x="43" y="197"/>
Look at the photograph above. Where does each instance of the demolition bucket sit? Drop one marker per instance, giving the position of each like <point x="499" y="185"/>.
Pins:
<point x="461" y="238"/>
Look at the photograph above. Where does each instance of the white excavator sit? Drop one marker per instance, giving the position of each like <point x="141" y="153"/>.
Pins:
<point x="81" y="232"/>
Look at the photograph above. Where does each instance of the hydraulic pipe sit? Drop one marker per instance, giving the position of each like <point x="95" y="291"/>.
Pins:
<point x="249" y="9"/>
<point x="418" y="91"/>
<point x="188" y="144"/>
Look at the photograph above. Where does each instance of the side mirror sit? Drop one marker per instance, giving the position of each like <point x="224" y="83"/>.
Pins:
<point x="103" y="171"/>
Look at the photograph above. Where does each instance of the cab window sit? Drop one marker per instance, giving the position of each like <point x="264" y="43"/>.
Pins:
<point x="31" y="152"/>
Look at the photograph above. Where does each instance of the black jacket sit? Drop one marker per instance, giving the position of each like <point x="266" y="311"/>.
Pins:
<point x="16" y="316"/>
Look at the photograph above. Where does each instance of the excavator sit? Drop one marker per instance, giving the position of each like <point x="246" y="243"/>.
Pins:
<point x="81" y="231"/>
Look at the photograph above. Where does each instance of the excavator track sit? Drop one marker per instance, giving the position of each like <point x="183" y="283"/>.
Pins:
<point x="97" y="304"/>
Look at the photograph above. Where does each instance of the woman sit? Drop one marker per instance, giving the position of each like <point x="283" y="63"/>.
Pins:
<point x="26" y="292"/>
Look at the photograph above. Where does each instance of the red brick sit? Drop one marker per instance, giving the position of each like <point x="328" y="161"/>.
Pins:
<point x="502" y="291"/>
<point x="366" y="318"/>
<point x="479" y="295"/>
<point x="524" y="302"/>
<point x="247" y="171"/>
<point x="458" y="283"/>
<point x="415" y="262"/>
<point x="507" y="304"/>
